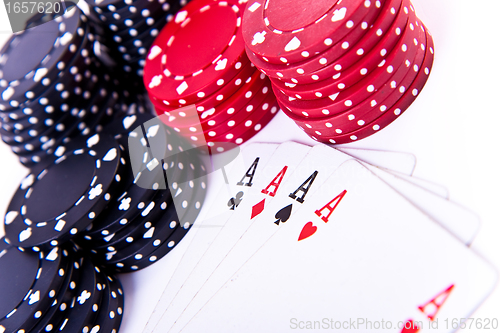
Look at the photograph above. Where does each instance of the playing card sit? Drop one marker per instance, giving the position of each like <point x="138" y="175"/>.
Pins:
<point x="429" y="186"/>
<point x="319" y="164"/>
<point x="281" y="164"/>
<point x="232" y="192"/>
<point x="458" y="220"/>
<point x="251" y="159"/>
<point x="358" y="253"/>
<point x="404" y="162"/>
<point x="396" y="161"/>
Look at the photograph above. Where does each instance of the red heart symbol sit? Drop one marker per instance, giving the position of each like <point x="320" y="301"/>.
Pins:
<point x="307" y="231"/>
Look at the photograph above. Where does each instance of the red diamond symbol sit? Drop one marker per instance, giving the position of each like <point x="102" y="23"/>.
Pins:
<point x="258" y="208"/>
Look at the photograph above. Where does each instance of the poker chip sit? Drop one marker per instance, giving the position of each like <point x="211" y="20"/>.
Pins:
<point x="54" y="314"/>
<point x="85" y="307"/>
<point x="18" y="274"/>
<point x="314" y="63"/>
<point x="384" y="97"/>
<point x="409" y="94"/>
<point x="141" y="224"/>
<point x="336" y="69"/>
<point x="137" y="197"/>
<point x="257" y="84"/>
<point x="162" y="237"/>
<point x="203" y="90"/>
<point x="54" y="203"/>
<point x="252" y="125"/>
<point x="56" y="93"/>
<point x="111" y="308"/>
<point x="335" y="74"/>
<point x="105" y="193"/>
<point x="194" y="67"/>
<point x="51" y="275"/>
<point x="341" y="100"/>
<point x="151" y="209"/>
<point x="34" y="71"/>
<point x="127" y="30"/>
<point x="271" y="34"/>
<point x="220" y="124"/>
<point x="220" y="96"/>
<point x="59" y="290"/>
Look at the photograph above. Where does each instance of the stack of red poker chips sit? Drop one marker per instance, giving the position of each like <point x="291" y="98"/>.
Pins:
<point x="198" y="75"/>
<point x="341" y="70"/>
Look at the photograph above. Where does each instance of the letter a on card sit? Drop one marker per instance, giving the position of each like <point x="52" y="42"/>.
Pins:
<point x="275" y="184"/>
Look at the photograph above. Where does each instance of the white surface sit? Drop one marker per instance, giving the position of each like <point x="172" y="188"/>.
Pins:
<point x="452" y="129"/>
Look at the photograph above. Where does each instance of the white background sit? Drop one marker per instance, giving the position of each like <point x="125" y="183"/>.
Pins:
<point x="452" y="128"/>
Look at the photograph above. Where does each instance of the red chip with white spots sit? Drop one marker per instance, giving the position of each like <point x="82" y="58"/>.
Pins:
<point x="316" y="62"/>
<point x="347" y="70"/>
<point x="224" y="93"/>
<point x="220" y="125"/>
<point x="393" y="112"/>
<point x="372" y="108"/>
<point x="182" y="119"/>
<point x="254" y="121"/>
<point x="196" y="53"/>
<point x="271" y="33"/>
<point x="262" y="116"/>
<point x="340" y="100"/>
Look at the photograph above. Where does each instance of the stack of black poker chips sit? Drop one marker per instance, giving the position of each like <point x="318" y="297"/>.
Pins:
<point x="127" y="195"/>
<point x="127" y="29"/>
<point x="59" y="290"/>
<point x="55" y="91"/>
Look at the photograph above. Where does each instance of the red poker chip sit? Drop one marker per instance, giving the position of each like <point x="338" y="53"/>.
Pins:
<point x="271" y="34"/>
<point x="215" y="128"/>
<point x="222" y="123"/>
<point x="339" y="101"/>
<point x="252" y="126"/>
<point x="251" y="120"/>
<point x="196" y="53"/>
<point x="221" y="95"/>
<point x="288" y="71"/>
<point x="180" y="119"/>
<point x="373" y="107"/>
<point x="394" y="112"/>
<point x="374" y="42"/>
<point x="341" y="74"/>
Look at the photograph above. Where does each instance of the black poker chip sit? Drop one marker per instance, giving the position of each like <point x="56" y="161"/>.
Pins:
<point x="151" y="239"/>
<point x="18" y="273"/>
<point x="140" y="226"/>
<point x="60" y="90"/>
<point x="57" y="291"/>
<point x="127" y="29"/>
<point x="84" y="307"/>
<point x="54" y="314"/>
<point x="51" y="274"/>
<point x="111" y="307"/>
<point x="56" y="202"/>
<point x="26" y="73"/>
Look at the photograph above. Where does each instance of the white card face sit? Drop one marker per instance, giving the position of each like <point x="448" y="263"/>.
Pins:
<point x="204" y="239"/>
<point x="355" y="251"/>
<point x="437" y="189"/>
<point x="396" y="161"/>
<point x="459" y="221"/>
<point x="205" y="231"/>
<point x="286" y="157"/>
<point x="321" y="161"/>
